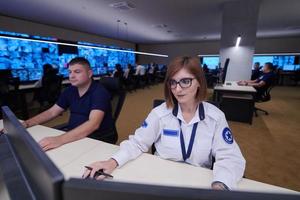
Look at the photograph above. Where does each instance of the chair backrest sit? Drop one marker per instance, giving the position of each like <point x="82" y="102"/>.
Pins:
<point x="55" y="89"/>
<point x="264" y="94"/>
<point x="113" y="86"/>
<point x="157" y="102"/>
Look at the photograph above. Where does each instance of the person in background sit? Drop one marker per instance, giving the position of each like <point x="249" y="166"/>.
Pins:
<point x="90" y="109"/>
<point x="256" y="71"/>
<point x="140" y="75"/>
<point x="184" y="129"/>
<point x="106" y="69"/>
<point x="263" y="82"/>
<point x="46" y="69"/>
<point x="118" y="72"/>
<point x="205" y="69"/>
<point x="151" y="72"/>
<point x="140" y="70"/>
<point x="128" y="71"/>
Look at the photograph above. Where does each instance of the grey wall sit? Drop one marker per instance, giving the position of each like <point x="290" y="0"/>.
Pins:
<point x="263" y="45"/>
<point x="177" y="49"/>
<point x="22" y="26"/>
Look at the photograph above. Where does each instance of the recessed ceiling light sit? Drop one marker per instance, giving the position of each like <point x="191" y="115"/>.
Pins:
<point x="123" y="5"/>
<point x="159" y="26"/>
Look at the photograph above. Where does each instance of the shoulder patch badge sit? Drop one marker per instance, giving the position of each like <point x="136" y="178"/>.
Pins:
<point x="227" y="135"/>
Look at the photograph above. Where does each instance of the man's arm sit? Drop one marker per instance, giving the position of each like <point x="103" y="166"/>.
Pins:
<point x="248" y="82"/>
<point x="43" y="117"/>
<point x="92" y="124"/>
<point x="257" y="85"/>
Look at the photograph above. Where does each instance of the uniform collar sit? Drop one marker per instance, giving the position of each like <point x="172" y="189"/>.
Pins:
<point x="177" y="112"/>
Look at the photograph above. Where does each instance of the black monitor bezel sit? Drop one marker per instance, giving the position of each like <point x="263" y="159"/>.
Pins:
<point x="88" y="189"/>
<point x="225" y="70"/>
<point x="41" y="173"/>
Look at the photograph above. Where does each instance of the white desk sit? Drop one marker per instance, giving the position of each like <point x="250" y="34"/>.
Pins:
<point x="148" y="169"/>
<point x="237" y="102"/>
<point x="232" y="87"/>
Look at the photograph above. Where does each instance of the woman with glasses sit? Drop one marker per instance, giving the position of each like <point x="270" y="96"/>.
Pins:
<point x="184" y="129"/>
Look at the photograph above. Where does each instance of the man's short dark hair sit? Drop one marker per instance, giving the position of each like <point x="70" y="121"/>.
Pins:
<point x="270" y="65"/>
<point x="81" y="61"/>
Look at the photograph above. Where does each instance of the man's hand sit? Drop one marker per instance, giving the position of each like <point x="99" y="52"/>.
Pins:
<point x="25" y="124"/>
<point x="48" y="143"/>
<point x="242" y="83"/>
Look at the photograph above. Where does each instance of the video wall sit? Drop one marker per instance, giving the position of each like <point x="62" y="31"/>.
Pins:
<point x="25" y="58"/>
<point x="284" y="62"/>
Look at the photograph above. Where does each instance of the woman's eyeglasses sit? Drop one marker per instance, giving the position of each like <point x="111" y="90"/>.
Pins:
<point x="184" y="83"/>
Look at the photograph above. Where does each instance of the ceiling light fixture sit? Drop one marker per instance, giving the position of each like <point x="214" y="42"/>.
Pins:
<point x="86" y="46"/>
<point x="238" y="40"/>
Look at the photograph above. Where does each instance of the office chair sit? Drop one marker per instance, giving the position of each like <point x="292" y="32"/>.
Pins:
<point x="50" y="91"/>
<point x="118" y="95"/>
<point x="11" y="96"/>
<point x="296" y="77"/>
<point x="263" y="96"/>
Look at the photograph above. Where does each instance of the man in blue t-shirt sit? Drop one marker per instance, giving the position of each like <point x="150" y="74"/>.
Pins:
<point x="262" y="82"/>
<point x="89" y="104"/>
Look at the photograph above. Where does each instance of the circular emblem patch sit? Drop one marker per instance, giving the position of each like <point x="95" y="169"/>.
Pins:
<point x="227" y="136"/>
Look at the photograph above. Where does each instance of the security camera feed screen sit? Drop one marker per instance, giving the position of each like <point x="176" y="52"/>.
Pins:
<point x="283" y="62"/>
<point x="286" y="63"/>
<point x="26" y="58"/>
<point x="212" y="62"/>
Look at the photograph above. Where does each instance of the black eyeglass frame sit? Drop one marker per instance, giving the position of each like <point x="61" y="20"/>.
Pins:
<point x="181" y="83"/>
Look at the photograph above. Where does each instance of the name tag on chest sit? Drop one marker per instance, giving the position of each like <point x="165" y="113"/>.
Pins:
<point x="169" y="132"/>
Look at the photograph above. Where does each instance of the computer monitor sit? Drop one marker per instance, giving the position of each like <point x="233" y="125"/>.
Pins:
<point x="212" y="62"/>
<point x="43" y="178"/>
<point x="224" y="70"/>
<point x="289" y="68"/>
<point x="88" y="189"/>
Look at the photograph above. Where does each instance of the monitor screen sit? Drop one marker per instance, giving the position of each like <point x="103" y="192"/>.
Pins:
<point x="212" y="62"/>
<point x="26" y="58"/>
<point x="284" y="62"/>
<point x="44" y="178"/>
<point x="262" y="60"/>
<point x="88" y="189"/>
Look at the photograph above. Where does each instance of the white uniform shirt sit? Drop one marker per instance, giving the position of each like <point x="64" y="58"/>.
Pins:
<point x="140" y="70"/>
<point x="213" y="139"/>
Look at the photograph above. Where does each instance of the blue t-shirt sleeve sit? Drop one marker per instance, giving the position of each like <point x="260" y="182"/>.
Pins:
<point x="64" y="99"/>
<point x="267" y="78"/>
<point x="101" y="100"/>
